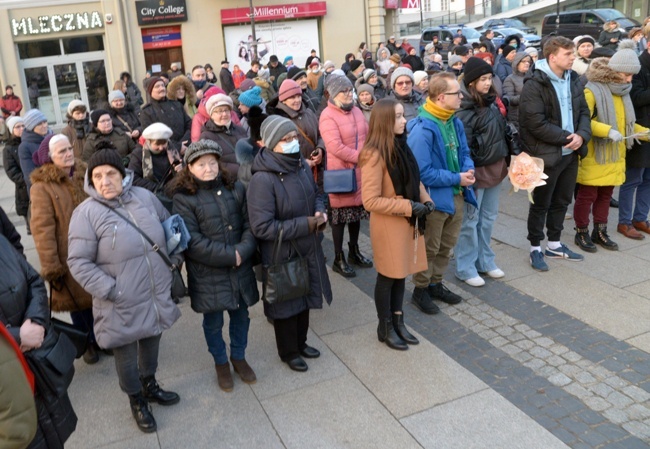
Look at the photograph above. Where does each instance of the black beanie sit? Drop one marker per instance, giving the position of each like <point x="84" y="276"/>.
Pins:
<point x="355" y="64"/>
<point x="105" y="156"/>
<point x="461" y="50"/>
<point x="295" y="73"/>
<point x="508" y="49"/>
<point x="96" y="114"/>
<point x="475" y="68"/>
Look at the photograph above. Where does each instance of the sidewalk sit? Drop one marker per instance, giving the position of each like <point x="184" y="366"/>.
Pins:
<point x="537" y="360"/>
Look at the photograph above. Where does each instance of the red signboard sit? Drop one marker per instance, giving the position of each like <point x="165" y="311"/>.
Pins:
<point x="391" y="4"/>
<point x="162" y="37"/>
<point x="408" y="4"/>
<point x="277" y="12"/>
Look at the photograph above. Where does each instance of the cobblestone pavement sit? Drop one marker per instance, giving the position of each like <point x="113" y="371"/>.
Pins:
<point x="586" y="387"/>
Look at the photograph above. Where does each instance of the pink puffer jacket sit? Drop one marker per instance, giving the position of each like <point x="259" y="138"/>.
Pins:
<point x="344" y="134"/>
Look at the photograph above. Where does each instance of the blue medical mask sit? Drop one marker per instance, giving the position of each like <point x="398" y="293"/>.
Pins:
<point x="291" y="148"/>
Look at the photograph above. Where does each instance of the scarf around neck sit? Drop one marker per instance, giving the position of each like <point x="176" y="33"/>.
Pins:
<point x="437" y="111"/>
<point x="606" y="151"/>
<point x="405" y="175"/>
<point x="147" y="163"/>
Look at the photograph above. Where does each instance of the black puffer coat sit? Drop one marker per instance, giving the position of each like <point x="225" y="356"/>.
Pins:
<point x="172" y="114"/>
<point x="217" y="218"/>
<point x="8" y="229"/>
<point x="123" y="143"/>
<point x="485" y="129"/>
<point x="11" y="164"/>
<point x="639" y="155"/>
<point x="227" y="139"/>
<point x="283" y="194"/>
<point x="540" y="118"/>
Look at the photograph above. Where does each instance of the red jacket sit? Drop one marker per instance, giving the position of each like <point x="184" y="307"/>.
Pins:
<point x="9" y="104"/>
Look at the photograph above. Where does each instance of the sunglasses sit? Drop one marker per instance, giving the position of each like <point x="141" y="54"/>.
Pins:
<point x="403" y="83"/>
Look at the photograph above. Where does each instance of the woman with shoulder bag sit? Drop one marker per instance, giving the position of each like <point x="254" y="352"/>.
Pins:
<point x="283" y="200"/>
<point x="485" y="128"/>
<point x="220" y="254"/>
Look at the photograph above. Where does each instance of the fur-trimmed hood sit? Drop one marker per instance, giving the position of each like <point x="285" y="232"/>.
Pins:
<point x="176" y="83"/>
<point x="600" y="72"/>
<point x="51" y="173"/>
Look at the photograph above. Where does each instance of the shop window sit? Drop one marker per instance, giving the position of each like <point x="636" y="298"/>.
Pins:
<point x="39" y="49"/>
<point x="83" y="44"/>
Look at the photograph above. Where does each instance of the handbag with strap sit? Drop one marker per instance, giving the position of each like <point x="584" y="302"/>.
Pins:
<point x="285" y="280"/>
<point x="78" y="337"/>
<point x="178" y="285"/>
<point x="341" y="181"/>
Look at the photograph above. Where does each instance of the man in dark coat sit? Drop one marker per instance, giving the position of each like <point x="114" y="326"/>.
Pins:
<point x="8" y="229"/>
<point x="133" y="93"/>
<point x="161" y="110"/>
<point x="276" y="68"/>
<point x="633" y="213"/>
<point x="555" y="125"/>
<point x="225" y="77"/>
<point x="486" y="38"/>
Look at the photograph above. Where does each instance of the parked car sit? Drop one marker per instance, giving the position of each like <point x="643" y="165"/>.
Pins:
<point x="529" y="40"/>
<point x="585" y="21"/>
<point x="446" y="35"/>
<point x="508" y="23"/>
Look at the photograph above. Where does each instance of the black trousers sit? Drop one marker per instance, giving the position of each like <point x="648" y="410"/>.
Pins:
<point x="291" y="335"/>
<point x="389" y="296"/>
<point x="552" y="200"/>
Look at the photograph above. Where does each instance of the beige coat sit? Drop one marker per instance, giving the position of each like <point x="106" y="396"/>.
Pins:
<point x="393" y="246"/>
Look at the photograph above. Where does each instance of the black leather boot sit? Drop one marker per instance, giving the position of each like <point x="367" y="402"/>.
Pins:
<point x="142" y="413"/>
<point x="402" y="331"/>
<point x="584" y="241"/>
<point x="356" y="258"/>
<point x="600" y="236"/>
<point x="341" y="266"/>
<point x="423" y="301"/>
<point x="386" y="333"/>
<point x="152" y="392"/>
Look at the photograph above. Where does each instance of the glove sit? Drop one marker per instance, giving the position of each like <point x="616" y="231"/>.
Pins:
<point x="418" y="209"/>
<point x="312" y="222"/>
<point x="615" y="136"/>
<point x="430" y="207"/>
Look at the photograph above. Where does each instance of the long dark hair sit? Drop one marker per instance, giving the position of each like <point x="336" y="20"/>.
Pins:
<point x="381" y="132"/>
<point x="478" y="97"/>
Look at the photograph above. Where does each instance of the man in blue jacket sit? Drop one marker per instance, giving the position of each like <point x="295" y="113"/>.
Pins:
<point x="437" y="139"/>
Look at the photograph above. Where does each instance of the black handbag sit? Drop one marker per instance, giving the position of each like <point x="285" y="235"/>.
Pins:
<point x="340" y="181"/>
<point x="285" y="280"/>
<point x="513" y="139"/>
<point x="178" y="284"/>
<point x="53" y="363"/>
<point x="78" y="337"/>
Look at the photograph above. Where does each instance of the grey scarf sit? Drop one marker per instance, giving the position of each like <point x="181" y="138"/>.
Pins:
<point x="605" y="150"/>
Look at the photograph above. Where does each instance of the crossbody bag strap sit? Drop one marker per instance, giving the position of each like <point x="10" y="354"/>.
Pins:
<point x="124" y="122"/>
<point x="154" y="245"/>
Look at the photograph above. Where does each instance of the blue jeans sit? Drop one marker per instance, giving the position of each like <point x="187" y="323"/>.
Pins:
<point x="239" y="323"/>
<point x="636" y="179"/>
<point x="473" y="252"/>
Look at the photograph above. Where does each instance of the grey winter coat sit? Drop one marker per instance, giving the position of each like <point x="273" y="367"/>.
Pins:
<point x="217" y="218"/>
<point x="411" y="104"/>
<point x="282" y="193"/>
<point x="512" y="87"/>
<point x="129" y="282"/>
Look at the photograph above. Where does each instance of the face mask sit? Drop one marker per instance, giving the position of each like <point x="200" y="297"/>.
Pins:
<point x="291" y="148"/>
<point x="199" y="84"/>
<point x="315" y="70"/>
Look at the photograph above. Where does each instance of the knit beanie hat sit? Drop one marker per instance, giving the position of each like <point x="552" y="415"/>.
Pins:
<point x="96" y="115"/>
<point x="287" y="59"/>
<point x="367" y="74"/>
<point x="273" y="58"/>
<point x="246" y="85"/>
<point x="295" y="73"/>
<point x="274" y="128"/>
<point x="453" y="60"/>
<point x="461" y="50"/>
<point x="602" y="52"/>
<point x="419" y="76"/>
<point x="395" y="58"/>
<point x="532" y="51"/>
<point x="487" y="54"/>
<point x="106" y="156"/>
<point x="218" y="100"/>
<point x="625" y="60"/>
<point x="13" y="121"/>
<point x="365" y="88"/>
<point x="475" y="68"/>
<point x="201" y="148"/>
<point x="583" y="39"/>
<point x="152" y="82"/>
<point x="508" y="49"/>
<point x="115" y="95"/>
<point x="74" y="104"/>
<point x="327" y="65"/>
<point x="289" y="88"/>
<point x="335" y="84"/>
<point x="400" y="71"/>
<point x="33" y="118"/>
<point x="251" y="97"/>
<point x="42" y="155"/>
<point x="355" y="64"/>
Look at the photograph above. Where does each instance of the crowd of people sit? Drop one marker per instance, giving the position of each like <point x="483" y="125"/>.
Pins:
<point x="258" y="164"/>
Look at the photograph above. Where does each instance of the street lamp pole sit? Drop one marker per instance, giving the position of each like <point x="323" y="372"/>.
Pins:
<point x="254" y="44"/>
<point x="421" y="17"/>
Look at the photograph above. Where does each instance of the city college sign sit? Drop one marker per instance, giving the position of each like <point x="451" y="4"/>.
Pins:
<point x="81" y="21"/>
<point x="153" y="12"/>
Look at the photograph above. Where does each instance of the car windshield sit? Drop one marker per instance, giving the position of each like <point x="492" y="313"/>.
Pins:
<point x="471" y="33"/>
<point x="510" y="31"/>
<point x="516" y="23"/>
<point x="611" y="14"/>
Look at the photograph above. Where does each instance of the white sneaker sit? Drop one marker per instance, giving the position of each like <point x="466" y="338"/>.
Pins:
<point x="497" y="273"/>
<point x="475" y="281"/>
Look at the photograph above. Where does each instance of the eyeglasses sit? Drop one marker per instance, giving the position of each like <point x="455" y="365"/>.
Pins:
<point x="403" y="83"/>
<point x="347" y="91"/>
<point x="289" y="138"/>
<point x="19" y="126"/>
<point x="221" y="111"/>
<point x="108" y="120"/>
<point x="458" y="94"/>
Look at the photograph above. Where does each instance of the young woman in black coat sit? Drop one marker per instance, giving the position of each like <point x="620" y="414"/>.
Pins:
<point x="220" y="254"/>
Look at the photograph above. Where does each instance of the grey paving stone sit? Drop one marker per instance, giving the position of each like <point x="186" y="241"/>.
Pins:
<point x="597" y="404"/>
<point x="560" y="380"/>
<point x="535" y="364"/>
<point x="585" y="378"/>
<point x="525" y="344"/>
<point x="638" y="429"/>
<point x="638" y="411"/>
<point x="540" y="352"/>
<point x="619" y="400"/>
<point x="556" y="360"/>
<point x="615" y="415"/>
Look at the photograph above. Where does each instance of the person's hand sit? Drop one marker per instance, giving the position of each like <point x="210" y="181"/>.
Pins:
<point x="614" y="40"/>
<point x="135" y="134"/>
<point x="312" y="223"/>
<point x="311" y="163"/>
<point x="178" y="166"/>
<point x="31" y="335"/>
<point x="615" y="135"/>
<point x="183" y="147"/>
<point x="418" y="209"/>
<point x="467" y="178"/>
<point x="238" y="257"/>
<point x="430" y="207"/>
<point x="575" y="142"/>
<point x="199" y="94"/>
<point x="318" y="158"/>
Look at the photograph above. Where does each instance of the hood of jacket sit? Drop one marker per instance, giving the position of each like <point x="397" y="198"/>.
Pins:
<point x="262" y="83"/>
<point x="268" y="161"/>
<point x="599" y="71"/>
<point x="383" y="54"/>
<point x="518" y="58"/>
<point x="177" y="83"/>
<point x="127" y="183"/>
<point x="511" y="37"/>
<point x="127" y="74"/>
<point x="542" y="68"/>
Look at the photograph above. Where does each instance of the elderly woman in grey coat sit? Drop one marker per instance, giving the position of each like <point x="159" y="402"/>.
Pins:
<point x="514" y="83"/>
<point x="129" y="282"/>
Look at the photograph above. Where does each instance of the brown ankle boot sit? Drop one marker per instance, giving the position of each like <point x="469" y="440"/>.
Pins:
<point x="244" y="370"/>
<point x="224" y="377"/>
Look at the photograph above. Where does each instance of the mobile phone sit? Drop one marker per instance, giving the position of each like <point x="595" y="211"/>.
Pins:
<point x="314" y="153"/>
